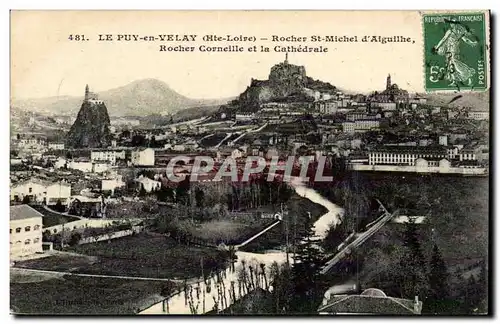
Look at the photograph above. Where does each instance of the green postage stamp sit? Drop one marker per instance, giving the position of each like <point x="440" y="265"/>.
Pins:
<point x="455" y="51"/>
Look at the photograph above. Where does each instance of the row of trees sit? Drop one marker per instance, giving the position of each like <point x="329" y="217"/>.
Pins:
<point x="255" y="193"/>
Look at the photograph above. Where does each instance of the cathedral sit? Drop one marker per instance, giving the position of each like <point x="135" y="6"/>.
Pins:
<point x="392" y="93"/>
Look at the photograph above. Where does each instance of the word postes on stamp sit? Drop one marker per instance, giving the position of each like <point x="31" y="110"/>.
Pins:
<point x="455" y="51"/>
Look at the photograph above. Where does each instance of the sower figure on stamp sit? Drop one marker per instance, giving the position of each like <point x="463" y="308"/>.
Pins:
<point x="449" y="46"/>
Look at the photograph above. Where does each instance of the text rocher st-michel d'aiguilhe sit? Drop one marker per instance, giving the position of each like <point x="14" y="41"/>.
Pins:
<point x="278" y="46"/>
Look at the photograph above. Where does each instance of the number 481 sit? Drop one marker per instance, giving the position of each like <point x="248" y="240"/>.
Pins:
<point x="76" y="37"/>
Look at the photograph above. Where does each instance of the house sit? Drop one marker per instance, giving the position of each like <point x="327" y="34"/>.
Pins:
<point x="360" y="125"/>
<point x="81" y="165"/>
<point x="56" y="146"/>
<point x="100" y="167"/>
<point x="107" y="155"/>
<point x="372" y="301"/>
<point x="16" y="161"/>
<point x="25" y="231"/>
<point x="60" y="163"/>
<point x="111" y="184"/>
<point x="271" y="152"/>
<point x="35" y="189"/>
<point x="478" y="115"/>
<point x="467" y="154"/>
<point x="58" y="191"/>
<point x="148" y="184"/>
<point x="179" y="148"/>
<point x="143" y="157"/>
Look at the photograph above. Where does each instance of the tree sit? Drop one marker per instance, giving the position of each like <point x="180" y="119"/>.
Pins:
<point x="59" y="207"/>
<point x="307" y="279"/>
<point x="74" y="239"/>
<point x="199" y="197"/>
<point x="438" y="285"/>
<point x="412" y="274"/>
<point x="475" y="294"/>
<point x="26" y="200"/>
<point x="142" y="192"/>
<point x="152" y="142"/>
<point x="138" y="140"/>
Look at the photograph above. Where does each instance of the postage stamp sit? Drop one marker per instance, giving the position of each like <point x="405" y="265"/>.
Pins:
<point x="455" y="46"/>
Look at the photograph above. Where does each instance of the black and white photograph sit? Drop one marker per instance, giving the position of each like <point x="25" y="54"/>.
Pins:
<point x="224" y="163"/>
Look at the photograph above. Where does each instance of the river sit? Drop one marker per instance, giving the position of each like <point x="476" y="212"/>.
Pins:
<point x="179" y="303"/>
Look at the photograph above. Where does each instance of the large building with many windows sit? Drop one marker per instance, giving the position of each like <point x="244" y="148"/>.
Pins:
<point x="405" y="155"/>
<point x="478" y="115"/>
<point x="25" y="231"/>
<point x="107" y="155"/>
<point x="360" y="125"/>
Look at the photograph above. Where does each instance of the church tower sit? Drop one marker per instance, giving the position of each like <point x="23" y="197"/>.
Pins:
<point x="286" y="58"/>
<point x="388" y="83"/>
<point x="86" y="92"/>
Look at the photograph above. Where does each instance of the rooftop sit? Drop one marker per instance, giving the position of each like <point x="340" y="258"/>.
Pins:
<point x="411" y="149"/>
<point x="23" y="212"/>
<point x="371" y="301"/>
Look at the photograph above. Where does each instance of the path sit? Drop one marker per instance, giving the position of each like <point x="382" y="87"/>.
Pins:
<point x="228" y="135"/>
<point x="65" y="273"/>
<point x="250" y="131"/>
<point x="258" y="234"/>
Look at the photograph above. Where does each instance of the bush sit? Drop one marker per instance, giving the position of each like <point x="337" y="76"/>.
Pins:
<point x="75" y="239"/>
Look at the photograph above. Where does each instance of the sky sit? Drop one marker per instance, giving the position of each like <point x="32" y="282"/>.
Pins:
<point x="44" y="62"/>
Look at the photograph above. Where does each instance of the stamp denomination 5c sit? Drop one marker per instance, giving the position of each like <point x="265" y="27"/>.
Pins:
<point x="455" y="46"/>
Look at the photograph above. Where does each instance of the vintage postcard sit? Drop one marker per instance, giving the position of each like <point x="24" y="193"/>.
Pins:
<point x="250" y="162"/>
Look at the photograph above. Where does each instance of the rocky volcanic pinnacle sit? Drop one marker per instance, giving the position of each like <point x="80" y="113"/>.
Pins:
<point x="91" y="127"/>
<point x="286" y="82"/>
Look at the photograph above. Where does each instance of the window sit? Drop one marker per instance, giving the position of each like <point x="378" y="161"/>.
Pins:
<point x="18" y="230"/>
<point x="27" y="241"/>
<point x="30" y="190"/>
<point x="36" y="240"/>
<point x="36" y="228"/>
<point x="27" y="228"/>
<point x="11" y="231"/>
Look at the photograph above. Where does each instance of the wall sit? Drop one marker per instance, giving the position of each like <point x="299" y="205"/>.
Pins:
<point x="110" y="236"/>
<point x="81" y="223"/>
<point x="394" y="168"/>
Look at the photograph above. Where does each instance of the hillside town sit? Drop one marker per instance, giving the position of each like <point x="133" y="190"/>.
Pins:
<point x="100" y="201"/>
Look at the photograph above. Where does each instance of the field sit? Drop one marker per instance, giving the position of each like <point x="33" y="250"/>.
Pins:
<point x="227" y="230"/>
<point x="142" y="255"/>
<point x="83" y="295"/>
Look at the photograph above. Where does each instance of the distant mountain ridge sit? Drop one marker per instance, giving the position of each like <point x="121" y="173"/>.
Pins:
<point x="138" y="98"/>
<point x="476" y="100"/>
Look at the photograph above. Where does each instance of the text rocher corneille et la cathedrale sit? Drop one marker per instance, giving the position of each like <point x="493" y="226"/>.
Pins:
<point x="294" y="47"/>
